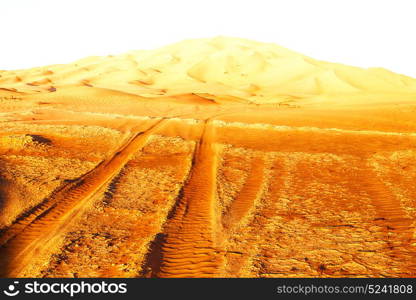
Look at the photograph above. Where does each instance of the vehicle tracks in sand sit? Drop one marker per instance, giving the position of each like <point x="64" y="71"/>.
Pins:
<point x="396" y="224"/>
<point x="269" y="244"/>
<point x="269" y="190"/>
<point x="32" y="238"/>
<point x="279" y="198"/>
<point x="248" y="196"/>
<point x="187" y="246"/>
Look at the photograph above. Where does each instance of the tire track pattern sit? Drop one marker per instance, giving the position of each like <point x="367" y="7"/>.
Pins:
<point x="32" y="239"/>
<point x="244" y="243"/>
<point x="188" y="246"/>
<point x="248" y="195"/>
<point x="398" y="227"/>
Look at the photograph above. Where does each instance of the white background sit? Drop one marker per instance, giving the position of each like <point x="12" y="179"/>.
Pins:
<point x="356" y="32"/>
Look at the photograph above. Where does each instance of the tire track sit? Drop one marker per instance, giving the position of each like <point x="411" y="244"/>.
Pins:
<point x="33" y="237"/>
<point x="27" y="218"/>
<point x="398" y="227"/>
<point x="243" y="245"/>
<point x="187" y="245"/>
<point x="248" y="195"/>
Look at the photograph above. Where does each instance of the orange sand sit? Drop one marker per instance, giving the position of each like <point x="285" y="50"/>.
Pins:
<point x="207" y="158"/>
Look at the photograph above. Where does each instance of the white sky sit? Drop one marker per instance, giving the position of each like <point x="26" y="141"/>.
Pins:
<point x="356" y="32"/>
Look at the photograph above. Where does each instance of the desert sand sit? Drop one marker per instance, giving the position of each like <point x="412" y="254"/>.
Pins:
<point x="217" y="157"/>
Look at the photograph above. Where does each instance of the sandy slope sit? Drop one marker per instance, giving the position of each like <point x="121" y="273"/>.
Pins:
<point x="207" y="158"/>
<point x="257" y="72"/>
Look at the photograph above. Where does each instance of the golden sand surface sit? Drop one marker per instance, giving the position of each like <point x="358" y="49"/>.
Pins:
<point x="217" y="157"/>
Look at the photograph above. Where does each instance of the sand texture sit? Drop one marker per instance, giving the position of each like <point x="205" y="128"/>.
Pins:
<point x="217" y="157"/>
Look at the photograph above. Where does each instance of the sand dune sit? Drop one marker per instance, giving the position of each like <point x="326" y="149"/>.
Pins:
<point x="217" y="157"/>
<point x="258" y="72"/>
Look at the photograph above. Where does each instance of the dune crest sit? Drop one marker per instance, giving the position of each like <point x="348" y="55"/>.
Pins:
<point x="258" y="72"/>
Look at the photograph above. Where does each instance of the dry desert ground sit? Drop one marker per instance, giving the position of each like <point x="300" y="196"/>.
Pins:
<point x="214" y="157"/>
